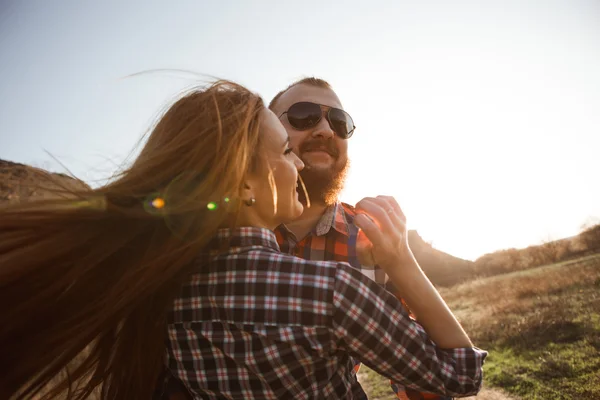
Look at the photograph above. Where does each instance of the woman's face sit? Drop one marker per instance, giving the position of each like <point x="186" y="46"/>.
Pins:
<point x="275" y="184"/>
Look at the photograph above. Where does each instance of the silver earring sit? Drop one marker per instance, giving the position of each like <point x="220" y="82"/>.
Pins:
<point x="250" y="202"/>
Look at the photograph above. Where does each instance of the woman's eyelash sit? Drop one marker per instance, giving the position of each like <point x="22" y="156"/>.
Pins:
<point x="287" y="151"/>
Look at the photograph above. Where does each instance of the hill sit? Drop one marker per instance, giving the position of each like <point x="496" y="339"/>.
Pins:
<point x="22" y="183"/>
<point x="441" y="268"/>
<point x="445" y="270"/>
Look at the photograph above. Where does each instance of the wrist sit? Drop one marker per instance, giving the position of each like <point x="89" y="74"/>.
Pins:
<point x="402" y="261"/>
<point x="403" y="270"/>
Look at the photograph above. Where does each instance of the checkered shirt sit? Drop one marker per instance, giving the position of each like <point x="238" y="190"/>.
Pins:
<point x="254" y="323"/>
<point x="334" y="239"/>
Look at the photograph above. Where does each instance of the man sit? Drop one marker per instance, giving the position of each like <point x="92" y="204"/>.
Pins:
<point x="319" y="130"/>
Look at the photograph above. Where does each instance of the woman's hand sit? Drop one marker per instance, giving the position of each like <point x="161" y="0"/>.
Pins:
<point x="383" y="238"/>
<point x="387" y="246"/>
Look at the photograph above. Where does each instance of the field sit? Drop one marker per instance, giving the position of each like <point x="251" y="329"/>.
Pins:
<point x="541" y="327"/>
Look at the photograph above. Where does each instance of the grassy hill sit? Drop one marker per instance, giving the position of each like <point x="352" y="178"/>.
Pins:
<point x="445" y="270"/>
<point x="541" y="326"/>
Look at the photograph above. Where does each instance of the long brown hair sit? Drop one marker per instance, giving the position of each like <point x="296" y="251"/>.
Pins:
<point x="98" y="273"/>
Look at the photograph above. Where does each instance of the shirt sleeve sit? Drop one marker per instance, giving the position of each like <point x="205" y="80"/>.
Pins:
<point x="373" y="326"/>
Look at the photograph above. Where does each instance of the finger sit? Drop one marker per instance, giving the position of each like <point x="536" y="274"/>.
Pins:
<point x="385" y="215"/>
<point x="394" y="212"/>
<point x="393" y="204"/>
<point x="398" y="229"/>
<point x="376" y="209"/>
<point x="370" y="228"/>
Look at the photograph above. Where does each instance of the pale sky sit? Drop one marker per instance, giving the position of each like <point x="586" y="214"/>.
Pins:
<point x="482" y="118"/>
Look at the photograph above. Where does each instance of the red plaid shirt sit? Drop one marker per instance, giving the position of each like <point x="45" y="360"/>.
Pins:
<point x="254" y="323"/>
<point x="334" y="239"/>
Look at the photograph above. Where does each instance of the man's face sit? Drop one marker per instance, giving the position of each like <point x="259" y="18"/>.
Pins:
<point x="325" y="155"/>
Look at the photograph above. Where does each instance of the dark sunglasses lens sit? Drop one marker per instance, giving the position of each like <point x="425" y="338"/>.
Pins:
<point x="341" y="123"/>
<point x="304" y="115"/>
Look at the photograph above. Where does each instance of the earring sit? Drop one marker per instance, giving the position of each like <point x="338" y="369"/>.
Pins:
<point x="250" y="202"/>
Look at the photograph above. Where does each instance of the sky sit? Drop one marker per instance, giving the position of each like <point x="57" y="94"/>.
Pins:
<point x="482" y="118"/>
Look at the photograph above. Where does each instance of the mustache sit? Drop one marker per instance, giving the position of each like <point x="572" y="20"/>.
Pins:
<point x="324" y="145"/>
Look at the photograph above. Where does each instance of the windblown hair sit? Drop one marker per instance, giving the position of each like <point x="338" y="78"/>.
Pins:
<point x="87" y="283"/>
<point x="311" y="81"/>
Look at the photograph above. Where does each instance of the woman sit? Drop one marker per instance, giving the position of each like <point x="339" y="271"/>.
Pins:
<point x="181" y="244"/>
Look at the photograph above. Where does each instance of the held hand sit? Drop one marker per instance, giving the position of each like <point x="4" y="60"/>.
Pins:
<point x="383" y="238"/>
<point x="387" y="246"/>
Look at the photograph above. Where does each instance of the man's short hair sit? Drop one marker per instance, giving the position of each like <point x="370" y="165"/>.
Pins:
<point x="312" y="81"/>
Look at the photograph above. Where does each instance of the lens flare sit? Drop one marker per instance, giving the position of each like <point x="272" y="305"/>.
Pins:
<point x="154" y="204"/>
<point x="158" y="203"/>
<point x="212" y="206"/>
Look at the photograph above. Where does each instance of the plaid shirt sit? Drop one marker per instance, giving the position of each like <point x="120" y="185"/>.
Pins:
<point x="334" y="239"/>
<point x="254" y="323"/>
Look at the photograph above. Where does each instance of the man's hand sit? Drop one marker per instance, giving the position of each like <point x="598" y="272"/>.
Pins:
<point x="383" y="238"/>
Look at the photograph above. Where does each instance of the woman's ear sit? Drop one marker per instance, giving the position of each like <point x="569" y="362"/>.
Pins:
<point x="247" y="193"/>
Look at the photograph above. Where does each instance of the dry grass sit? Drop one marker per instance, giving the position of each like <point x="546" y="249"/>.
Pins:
<point x="541" y="327"/>
<point x="530" y="304"/>
<point x="378" y="388"/>
<point x="492" y="394"/>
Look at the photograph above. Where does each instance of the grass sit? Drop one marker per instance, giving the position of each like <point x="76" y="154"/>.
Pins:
<point x="541" y="327"/>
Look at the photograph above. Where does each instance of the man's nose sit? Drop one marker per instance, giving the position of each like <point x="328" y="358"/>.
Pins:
<point x="323" y="129"/>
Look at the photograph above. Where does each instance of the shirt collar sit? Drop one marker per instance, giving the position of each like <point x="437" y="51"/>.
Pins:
<point x="333" y="217"/>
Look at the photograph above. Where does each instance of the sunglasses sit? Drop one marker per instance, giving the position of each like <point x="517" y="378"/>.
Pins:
<point x="305" y="115"/>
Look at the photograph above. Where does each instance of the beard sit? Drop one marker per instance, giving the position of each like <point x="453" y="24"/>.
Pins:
<point x="323" y="185"/>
